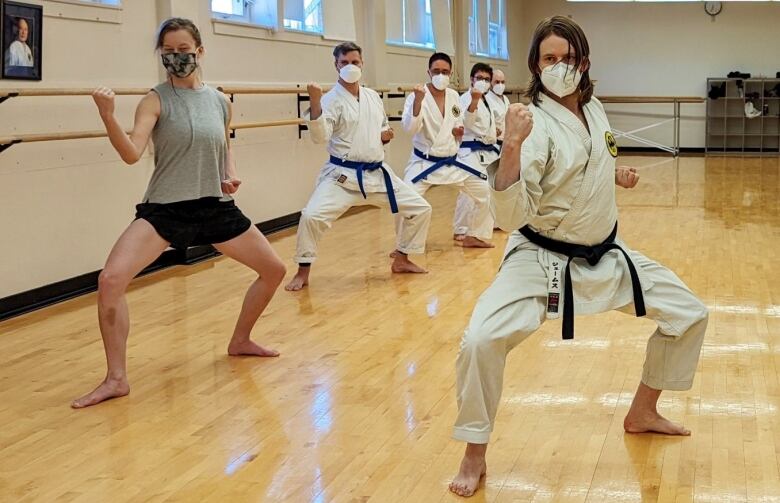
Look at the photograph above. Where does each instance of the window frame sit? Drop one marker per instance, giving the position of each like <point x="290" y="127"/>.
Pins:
<point x="500" y="28"/>
<point x="429" y="46"/>
<point x="304" y="31"/>
<point x="244" y="19"/>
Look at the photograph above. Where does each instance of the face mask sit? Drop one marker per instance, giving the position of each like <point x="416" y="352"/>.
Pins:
<point x="440" y="81"/>
<point x="350" y="74"/>
<point x="482" y="86"/>
<point x="180" y="64"/>
<point x="561" y="79"/>
<point x="499" y="89"/>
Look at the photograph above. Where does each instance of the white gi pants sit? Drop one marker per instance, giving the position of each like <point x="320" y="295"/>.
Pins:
<point x="330" y="200"/>
<point x="504" y="317"/>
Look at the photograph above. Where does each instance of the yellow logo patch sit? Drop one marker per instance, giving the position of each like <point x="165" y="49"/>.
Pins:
<point x="611" y="144"/>
<point x="455" y="111"/>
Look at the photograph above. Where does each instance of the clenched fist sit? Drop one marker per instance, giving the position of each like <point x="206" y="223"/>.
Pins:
<point x="626" y="177"/>
<point x="519" y="123"/>
<point x="315" y="92"/>
<point x="230" y="186"/>
<point x="419" y="93"/>
<point x="387" y="135"/>
<point x="104" y="99"/>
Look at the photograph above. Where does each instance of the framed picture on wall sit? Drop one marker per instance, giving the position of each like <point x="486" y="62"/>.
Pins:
<point x="21" y="39"/>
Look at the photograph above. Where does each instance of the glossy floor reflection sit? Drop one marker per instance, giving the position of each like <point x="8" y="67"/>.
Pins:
<point x="360" y="405"/>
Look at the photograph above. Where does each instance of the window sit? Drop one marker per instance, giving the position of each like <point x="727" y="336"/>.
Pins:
<point x="259" y="12"/>
<point x="487" y="29"/>
<point x="303" y="15"/>
<point x="410" y="23"/>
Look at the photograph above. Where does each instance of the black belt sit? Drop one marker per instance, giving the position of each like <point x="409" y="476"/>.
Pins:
<point x="593" y="255"/>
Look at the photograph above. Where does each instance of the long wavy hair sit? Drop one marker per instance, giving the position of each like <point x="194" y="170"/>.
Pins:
<point x="573" y="34"/>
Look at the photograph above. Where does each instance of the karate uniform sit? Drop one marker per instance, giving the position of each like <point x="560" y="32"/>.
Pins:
<point x="432" y="143"/>
<point x="499" y="104"/>
<point x="558" y="198"/>
<point x="356" y="174"/>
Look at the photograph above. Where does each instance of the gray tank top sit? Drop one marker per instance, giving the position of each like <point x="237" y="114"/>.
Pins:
<point x="190" y="148"/>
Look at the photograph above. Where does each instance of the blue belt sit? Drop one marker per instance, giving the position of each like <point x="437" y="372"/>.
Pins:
<point x="440" y="162"/>
<point x="359" y="167"/>
<point x="478" y="145"/>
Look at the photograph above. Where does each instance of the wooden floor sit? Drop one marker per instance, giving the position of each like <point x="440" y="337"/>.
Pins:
<point x="361" y="403"/>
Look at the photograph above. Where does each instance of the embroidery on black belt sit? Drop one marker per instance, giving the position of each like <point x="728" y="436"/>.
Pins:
<point x="611" y="144"/>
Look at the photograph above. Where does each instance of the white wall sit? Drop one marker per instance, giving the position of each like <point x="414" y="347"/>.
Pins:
<point x="661" y="49"/>
<point x="65" y="203"/>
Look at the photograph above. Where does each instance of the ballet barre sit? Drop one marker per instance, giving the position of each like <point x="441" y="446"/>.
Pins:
<point x="299" y="90"/>
<point x="8" y="141"/>
<point x="6" y="94"/>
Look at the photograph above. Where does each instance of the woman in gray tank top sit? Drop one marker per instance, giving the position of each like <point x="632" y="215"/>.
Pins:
<point x="188" y="201"/>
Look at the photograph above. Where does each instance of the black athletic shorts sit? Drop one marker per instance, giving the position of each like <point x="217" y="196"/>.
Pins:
<point x="194" y="223"/>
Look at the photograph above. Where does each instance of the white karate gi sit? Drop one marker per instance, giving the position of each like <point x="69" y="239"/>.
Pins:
<point x="433" y="136"/>
<point x="352" y="128"/>
<point x="499" y="104"/>
<point x="561" y="199"/>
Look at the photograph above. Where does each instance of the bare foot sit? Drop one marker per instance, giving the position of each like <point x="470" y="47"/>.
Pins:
<point x="300" y="280"/>
<point x="250" y="348"/>
<point x="466" y="482"/>
<point x="402" y="264"/>
<point x="458" y="237"/>
<point x="393" y="254"/>
<point x="108" y="389"/>
<point x="472" y="242"/>
<point x="652" y="422"/>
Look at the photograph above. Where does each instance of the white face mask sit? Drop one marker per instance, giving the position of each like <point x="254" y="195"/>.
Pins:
<point x="350" y="74"/>
<point x="499" y="89"/>
<point x="561" y="79"/>
<point x="482" y="86"/>
<point x="440" y="81"/>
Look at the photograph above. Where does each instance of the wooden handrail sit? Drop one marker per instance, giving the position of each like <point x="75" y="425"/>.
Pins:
<point x="129" y="91"/>
<point x="140" y="91"/>
<point x="650" y="99"/>
<point x="410" y="88"/>
<point x="31" y="138"/>
<point x="78" y="135"/>
<point x="285" y="122"/>
<point x="76" y="91"/>
<point x="603" y="99"/>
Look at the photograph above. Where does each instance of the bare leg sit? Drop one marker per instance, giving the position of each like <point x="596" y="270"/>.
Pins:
<point x="643" y="415"/>
<point x="136" y="248"/>
<point x="472" y="242"/>
<point x="253" y="250"/>
<point x="472" y="469"/>
<point x="402" y="264"/>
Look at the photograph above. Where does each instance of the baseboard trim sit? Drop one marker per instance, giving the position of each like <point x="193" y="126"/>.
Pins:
<point x="37" y="298"/>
